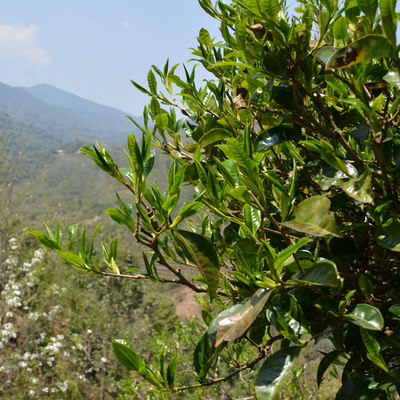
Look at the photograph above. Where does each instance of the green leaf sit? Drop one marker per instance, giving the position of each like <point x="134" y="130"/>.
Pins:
<point x="200" y="252"/>
<point x="273" y="371"/>
<point x="371" y="344"/>
<point x="120" y="218"/>
<point x="288" y="252"/>
<point x="125" y="354"/>
<point x="151" y="79"/>
<point x="140" y="88"/>
<point x="324" y="272"/>
<point x="242" y="194"/>
<point x="72" y="231"/>
<point x="368" y="7"/>
<point x="340" y="28"/>
<point x="325" y="362"/>
<point x="276" y="135"/>
<point x="270" y="8"/>
<point x="359" y="388"/>
<point x="201" y="353"/>
<point x="366" y="48"/>
<point x="91" y="249"/>
<point x="171" y="371"/>
<point x="312" y="217"/>
<point x="393" y="78"/>
<point x="395" y="309"/>
<point x="359" y="188"/>
<point x="388" y="235"/>
<point x="367" y="317"/>
<point x="252" y="218"/>
<point x="161" y="121"/>
<point x="187" y="210"/>
<point x="235" y="151"/>
<point x="212" y="136"/>
<point x="389" y="20"/>
<point x="72" y="258"/>
<point x="236" y="324"/>
<point x="45" y="240"/>
<point x="365" y="285"/>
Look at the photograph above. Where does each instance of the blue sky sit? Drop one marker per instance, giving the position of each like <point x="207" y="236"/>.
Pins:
<point x="94" y="47"/>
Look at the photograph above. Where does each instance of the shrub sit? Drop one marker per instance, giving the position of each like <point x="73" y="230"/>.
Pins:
<point x="292" y="147"/>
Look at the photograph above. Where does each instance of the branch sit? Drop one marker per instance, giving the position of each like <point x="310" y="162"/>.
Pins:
<point x="211" y="382"/>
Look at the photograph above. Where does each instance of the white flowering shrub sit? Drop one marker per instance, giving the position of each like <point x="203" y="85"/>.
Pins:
<point x="55" y="337"/>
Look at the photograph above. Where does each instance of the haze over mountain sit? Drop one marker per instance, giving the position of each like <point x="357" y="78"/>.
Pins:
<point x="64" y="114"/>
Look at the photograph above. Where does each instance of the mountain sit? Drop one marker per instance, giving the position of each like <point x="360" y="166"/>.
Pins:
<point x="98" y="117"/>
<point x="64" y="115"/>
<point x="34" y="138"/>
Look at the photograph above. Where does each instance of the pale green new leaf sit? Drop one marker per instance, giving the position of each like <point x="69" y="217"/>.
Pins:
<point x="312" y="216"/>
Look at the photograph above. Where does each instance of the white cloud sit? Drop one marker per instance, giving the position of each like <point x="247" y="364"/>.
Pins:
<point x="17" y="43"/>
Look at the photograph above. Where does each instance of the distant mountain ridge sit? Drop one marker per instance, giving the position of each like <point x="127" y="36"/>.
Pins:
<point x="64" y="114"/>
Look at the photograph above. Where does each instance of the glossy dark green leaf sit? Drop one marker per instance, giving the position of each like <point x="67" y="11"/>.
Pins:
<point x="312" y="216"/>
<point x="125" y="354"/>
<point x="324" y="272"/>
<point x="276" y="135"/>
<point x="325" y="363"/>
<point x="359" y="388"/>
<point x="373" y="349"/>
<point x="201" y="253"/>
<point x="359" y="188"/>
<point x="365" y="285"/>
<point x="201" y="353"/>
<point x="236" y="324"/>
<point x="388" y="235"/>
<point x="395" y="309"/>
<point x="272" y="372"/>
<point x="366" y="316"/>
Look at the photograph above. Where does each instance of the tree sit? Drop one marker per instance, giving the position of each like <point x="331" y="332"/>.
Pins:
<point x="292" y="148"/>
